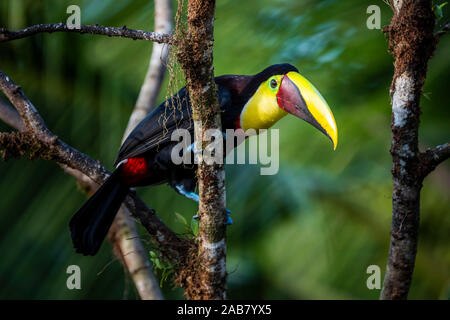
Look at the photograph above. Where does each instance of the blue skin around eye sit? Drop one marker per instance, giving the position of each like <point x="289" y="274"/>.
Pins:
<point x="193" y="196"/>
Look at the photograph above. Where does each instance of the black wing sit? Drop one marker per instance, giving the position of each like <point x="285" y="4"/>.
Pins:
<point x="156" y="128"/>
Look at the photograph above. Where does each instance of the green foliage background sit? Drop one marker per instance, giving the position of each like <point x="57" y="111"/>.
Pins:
<point x="308" y="232"/>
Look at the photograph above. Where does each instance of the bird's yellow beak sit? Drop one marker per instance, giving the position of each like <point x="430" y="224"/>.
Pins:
<point x="300" y="98"/>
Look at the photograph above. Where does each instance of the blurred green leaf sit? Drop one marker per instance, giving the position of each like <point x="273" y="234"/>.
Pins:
<point x="181" y="219"/>
<point x="194" y="226"/>
<point x="438" y="10"/>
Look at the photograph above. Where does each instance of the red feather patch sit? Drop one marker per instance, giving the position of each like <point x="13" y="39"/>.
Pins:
<point x="135" y="170"/>
<point x="237" y="123"/>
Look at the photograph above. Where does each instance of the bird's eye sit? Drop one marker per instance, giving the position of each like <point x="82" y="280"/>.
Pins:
<point x="273" y="83"/>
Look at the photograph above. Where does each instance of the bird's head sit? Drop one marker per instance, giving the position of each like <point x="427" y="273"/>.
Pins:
<point x="281" y="89"/>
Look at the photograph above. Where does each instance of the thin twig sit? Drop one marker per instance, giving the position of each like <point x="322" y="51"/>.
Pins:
<point x="123" y="32"/>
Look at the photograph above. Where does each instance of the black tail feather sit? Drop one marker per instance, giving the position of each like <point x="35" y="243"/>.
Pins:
<point x="90" y="225"/>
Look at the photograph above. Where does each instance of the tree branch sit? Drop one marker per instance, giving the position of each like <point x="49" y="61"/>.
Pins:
<point x="195" y="54"/>
<point x="124" y="32"/>
<point x="432" y="157"/>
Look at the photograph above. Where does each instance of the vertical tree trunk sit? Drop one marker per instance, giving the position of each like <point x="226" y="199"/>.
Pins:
<point x="196" y="58"/>
<point x="412" y="42"/>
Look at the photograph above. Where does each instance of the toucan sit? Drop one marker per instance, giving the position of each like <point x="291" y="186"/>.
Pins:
<point x="144" y="159"/>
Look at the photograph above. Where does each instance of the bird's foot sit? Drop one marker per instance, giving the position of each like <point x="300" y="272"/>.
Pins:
<point x="229" y="220"/>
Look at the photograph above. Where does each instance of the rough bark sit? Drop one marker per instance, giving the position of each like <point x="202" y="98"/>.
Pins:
<point x="412" y="43"/>
<point x="124" y="32"/>
<point x="195" y="54"/>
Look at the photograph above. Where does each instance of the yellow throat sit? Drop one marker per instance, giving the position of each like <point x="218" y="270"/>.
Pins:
<point x="262" y="110"/>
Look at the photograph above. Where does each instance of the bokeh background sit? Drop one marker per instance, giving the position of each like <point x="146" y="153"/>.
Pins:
<point x="309" y="232"/>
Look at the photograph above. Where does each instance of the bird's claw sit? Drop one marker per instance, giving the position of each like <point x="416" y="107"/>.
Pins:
<point x="229" y="220"/>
